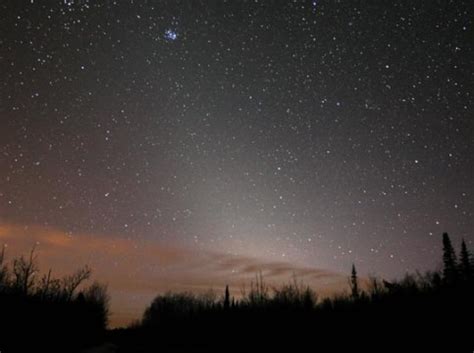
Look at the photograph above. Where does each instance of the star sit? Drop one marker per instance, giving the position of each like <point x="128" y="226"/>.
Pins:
<point x="171" y="35"/>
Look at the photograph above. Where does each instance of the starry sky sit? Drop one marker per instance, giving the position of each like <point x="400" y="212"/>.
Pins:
<point x="312" y="133"/>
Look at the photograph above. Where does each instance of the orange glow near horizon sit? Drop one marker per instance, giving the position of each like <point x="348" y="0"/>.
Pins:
<point x="137" y="271"/>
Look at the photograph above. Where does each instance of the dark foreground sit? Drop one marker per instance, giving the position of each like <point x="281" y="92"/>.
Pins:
<point x="409" y="319"/>
<point x="433" y="312"/>
<point x="434" y="323"/>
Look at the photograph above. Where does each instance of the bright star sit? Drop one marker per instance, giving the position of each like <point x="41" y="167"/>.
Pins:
<point x="171" y="35"/>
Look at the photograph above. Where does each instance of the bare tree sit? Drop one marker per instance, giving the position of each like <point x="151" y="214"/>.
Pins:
<point x="4" y="274"/>
<point x="71" y="282"/>
<point x="2" y="255"/>
<point x="24" y="272"/>
<point x="45" y="285"/>
<point x="259" y="291"/>
<point x="375" y="287"/>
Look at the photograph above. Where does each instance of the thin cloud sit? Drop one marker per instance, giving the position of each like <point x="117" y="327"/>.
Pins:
<point x="137" y="271"/>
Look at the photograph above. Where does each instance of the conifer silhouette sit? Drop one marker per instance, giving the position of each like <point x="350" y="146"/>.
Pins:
<point x="354" y="282"/>
<point x="465" y="265"/>
<point x="226" y="298"/>
<point x="449" y="261"/>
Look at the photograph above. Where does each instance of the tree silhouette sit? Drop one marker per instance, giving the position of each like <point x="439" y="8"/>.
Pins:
<point x="24" y="272"/>
<point x="354" y="282"/>
<point x="449" y="260"/>
<point x="38" y="305"/>
<point x="98" y="301"/>
<point x="417" y="305"/>
<point x="465" y="265"/>
<point x="226" y="298"/>
<point x="3" y="271"/>
<point x="71" y="282"/>
<point x="79" y="313"/>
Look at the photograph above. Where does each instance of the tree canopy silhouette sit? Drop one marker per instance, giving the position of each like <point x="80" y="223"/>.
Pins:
<point x="40" y="305"/>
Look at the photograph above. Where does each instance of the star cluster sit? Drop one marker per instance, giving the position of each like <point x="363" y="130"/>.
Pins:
<point x="315" y="132"/>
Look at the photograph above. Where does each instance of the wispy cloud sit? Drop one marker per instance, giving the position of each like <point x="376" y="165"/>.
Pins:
<point x="136" y="271"/>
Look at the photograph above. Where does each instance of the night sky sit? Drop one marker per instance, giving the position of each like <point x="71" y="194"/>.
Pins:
<point x="313" y="133"/>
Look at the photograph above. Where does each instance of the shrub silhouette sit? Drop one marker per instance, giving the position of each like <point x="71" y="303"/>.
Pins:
<point x="172" y="307"/>
<point x="44" y="308"/>
<point x="294" y="296"/>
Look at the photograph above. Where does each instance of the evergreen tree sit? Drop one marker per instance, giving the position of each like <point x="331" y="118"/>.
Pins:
<point x="226" y="298"/>
<point x="354" y="282"/>
<point x="449" y="260"/>
<point x="465" y="266"/>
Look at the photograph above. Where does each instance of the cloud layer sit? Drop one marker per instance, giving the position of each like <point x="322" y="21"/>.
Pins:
<point x="138" y="271"/>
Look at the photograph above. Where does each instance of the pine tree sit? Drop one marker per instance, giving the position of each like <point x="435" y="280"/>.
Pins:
<point x="449" y="260"/>
<point x="227" y="298"/>
<point x="465" y="266"/>
<point x="354" y="282"/>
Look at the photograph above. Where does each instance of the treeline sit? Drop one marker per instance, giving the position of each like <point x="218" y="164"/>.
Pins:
<point x="295" y="296"/>
<point x="44" y="312"/>
<point x="430" y="309"/>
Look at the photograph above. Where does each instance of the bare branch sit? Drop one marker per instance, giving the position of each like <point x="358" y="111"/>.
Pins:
<point x="24" y="272"/>
<point x="70" y="283"/>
